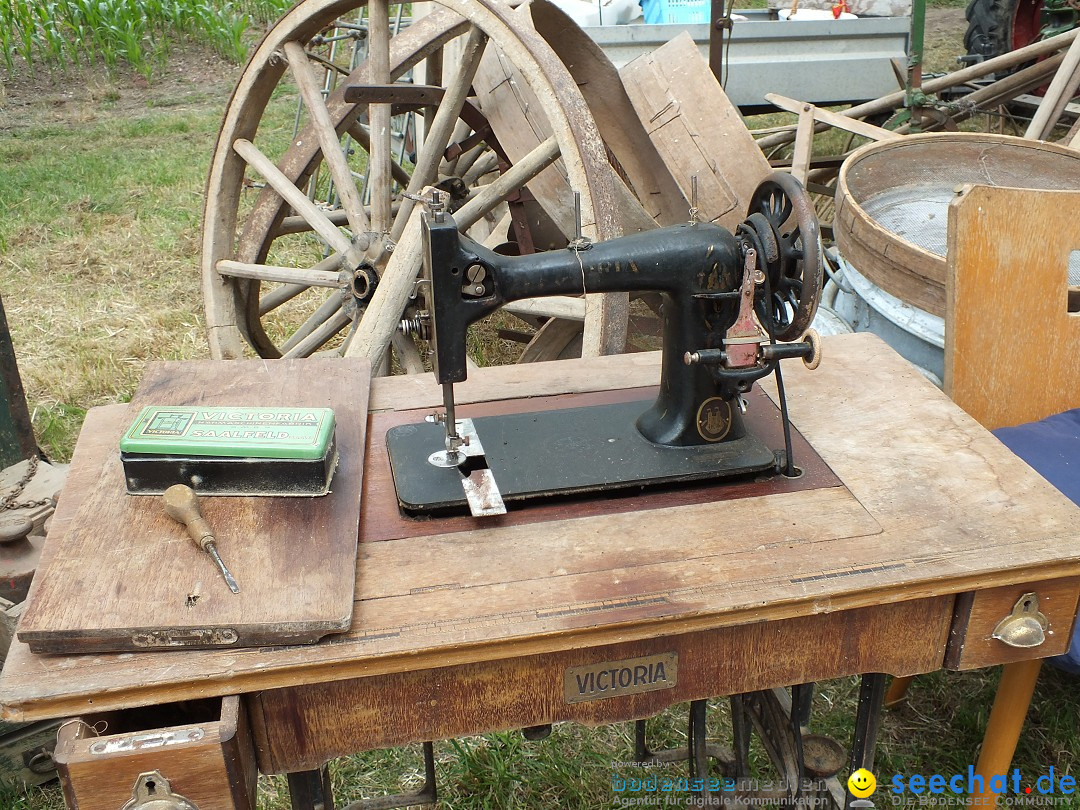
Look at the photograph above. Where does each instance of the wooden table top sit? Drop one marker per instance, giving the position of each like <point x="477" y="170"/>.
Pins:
<point x="932" y="504"/>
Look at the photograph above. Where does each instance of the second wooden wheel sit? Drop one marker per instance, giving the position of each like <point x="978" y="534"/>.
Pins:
<point x="324" y="255"/>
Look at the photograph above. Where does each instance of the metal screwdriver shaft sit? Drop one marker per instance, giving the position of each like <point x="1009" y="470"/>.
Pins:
<point x="182" y="505"/>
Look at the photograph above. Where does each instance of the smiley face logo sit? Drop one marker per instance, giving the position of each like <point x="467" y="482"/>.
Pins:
<point x="861" y="783"/>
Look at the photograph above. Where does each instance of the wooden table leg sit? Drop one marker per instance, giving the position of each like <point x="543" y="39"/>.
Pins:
<point x="898" y="690"/>
<point x="310" y="790"/>
<point x="1006" y="720"/>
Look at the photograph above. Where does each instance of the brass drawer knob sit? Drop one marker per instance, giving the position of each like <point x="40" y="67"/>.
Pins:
<point x="1025" y="627"/>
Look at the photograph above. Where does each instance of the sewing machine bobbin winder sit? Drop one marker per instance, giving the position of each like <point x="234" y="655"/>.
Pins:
<point x="731" y="305"/>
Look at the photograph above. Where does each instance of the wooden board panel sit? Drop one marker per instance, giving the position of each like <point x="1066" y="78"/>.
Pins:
<point x="365" y="713"/>
<point x="696" y="129"/>
<point x="623" y="133"/>
<point x="1012" y="348"/>
<point x="957" y="511"/>
<point x="118" y="574"/>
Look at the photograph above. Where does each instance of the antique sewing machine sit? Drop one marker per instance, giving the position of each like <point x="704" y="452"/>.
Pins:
<point x="732" y="305"/>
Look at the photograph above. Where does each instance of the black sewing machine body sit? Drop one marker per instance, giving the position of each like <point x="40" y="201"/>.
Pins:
<point x="711" y="283"/>
<point x="684" y="263"/>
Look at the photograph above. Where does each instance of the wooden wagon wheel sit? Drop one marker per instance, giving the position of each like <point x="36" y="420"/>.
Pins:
<point x="286" y="252"/>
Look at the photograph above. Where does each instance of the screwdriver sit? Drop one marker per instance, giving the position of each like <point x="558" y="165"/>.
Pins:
<point x="182" y="505"/>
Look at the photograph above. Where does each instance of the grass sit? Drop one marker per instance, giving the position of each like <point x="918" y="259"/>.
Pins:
<point x="99" y="236"/>
<point x="65" y="33"/>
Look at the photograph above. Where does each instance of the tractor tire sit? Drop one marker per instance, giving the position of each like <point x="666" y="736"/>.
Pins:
<point x="999" y="26"/>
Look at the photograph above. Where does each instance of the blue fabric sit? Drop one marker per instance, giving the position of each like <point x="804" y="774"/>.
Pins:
<point x="1052" y="447"/>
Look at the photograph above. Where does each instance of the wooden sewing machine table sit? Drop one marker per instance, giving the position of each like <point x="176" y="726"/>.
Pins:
<point x="905" y="562"/>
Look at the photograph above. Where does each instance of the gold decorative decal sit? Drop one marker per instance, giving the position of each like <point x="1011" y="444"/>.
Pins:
<point x="714" y="419"/>
<point x="617" y="678"/>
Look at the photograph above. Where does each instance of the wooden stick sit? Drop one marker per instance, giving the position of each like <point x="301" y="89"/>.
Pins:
<point x="1057" y="95"/>
<point x="1072" y="140"/>
<point x="328" y="138"/>
<point x="804" y="144"/>
<point x="1000" y="92"/>
<point x="837" y="120"/>
<point x="292" y="195"/>
<point x="278" y="296"/>
<point x="1011" y="704"/>
<point x="380" y="179"/>
<point x="383" y="313"/>
<point x="1009" y="87"/>
<point x="555" y="306"/>
<point x="486" y="163"/>
<point x="407" y="353"/>
<point x="285" y="275"/>
<point x="338" y="217"/>
<point x="976" y="71"/>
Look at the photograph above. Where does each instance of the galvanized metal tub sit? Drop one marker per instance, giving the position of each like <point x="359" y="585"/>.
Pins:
<point x="862" y="306"/>
<point x="892" y="202"/>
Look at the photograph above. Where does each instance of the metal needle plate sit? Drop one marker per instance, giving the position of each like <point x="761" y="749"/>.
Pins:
<point x="561" y="452"/>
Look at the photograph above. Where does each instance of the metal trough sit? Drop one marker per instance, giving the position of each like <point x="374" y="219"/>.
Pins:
<point x="820" y="61"/>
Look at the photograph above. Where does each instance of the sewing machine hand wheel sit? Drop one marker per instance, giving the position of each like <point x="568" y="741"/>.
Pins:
<point x="782" y="226"/>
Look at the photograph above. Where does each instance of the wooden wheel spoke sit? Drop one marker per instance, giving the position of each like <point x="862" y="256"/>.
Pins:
<point x="325" y="313"/>
<point x="442" y="127"/>
<point x="407" y="353"/>
<point x="280" y="295"/>
<point x="517" y="176"/>
<point x="315" y="217"/>
<point x="485" y="164"/>
<point x="379" y="157"/>
<point x="285" y="275"/>
<point x="333" y="155"/>
<point x="320" y="336"/>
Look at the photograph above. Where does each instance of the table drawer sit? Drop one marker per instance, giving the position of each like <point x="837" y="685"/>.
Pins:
<point x="979" y="614"/>
<point x="202" y="749"/>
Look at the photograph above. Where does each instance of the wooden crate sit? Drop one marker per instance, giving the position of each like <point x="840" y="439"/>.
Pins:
<point x="202" y="747"/>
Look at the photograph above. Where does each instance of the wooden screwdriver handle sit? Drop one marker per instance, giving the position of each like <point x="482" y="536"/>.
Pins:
<point x="182" y="505"/>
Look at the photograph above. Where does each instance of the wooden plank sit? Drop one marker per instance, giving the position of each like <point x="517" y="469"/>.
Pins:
<point x="958" y="512"/>
<point x="363" y="713"/>
<point x="804" y="144"/>
<point x="1007" y="318"/>
<point x="696" y="129"/>
<point x="123" y="578"/>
